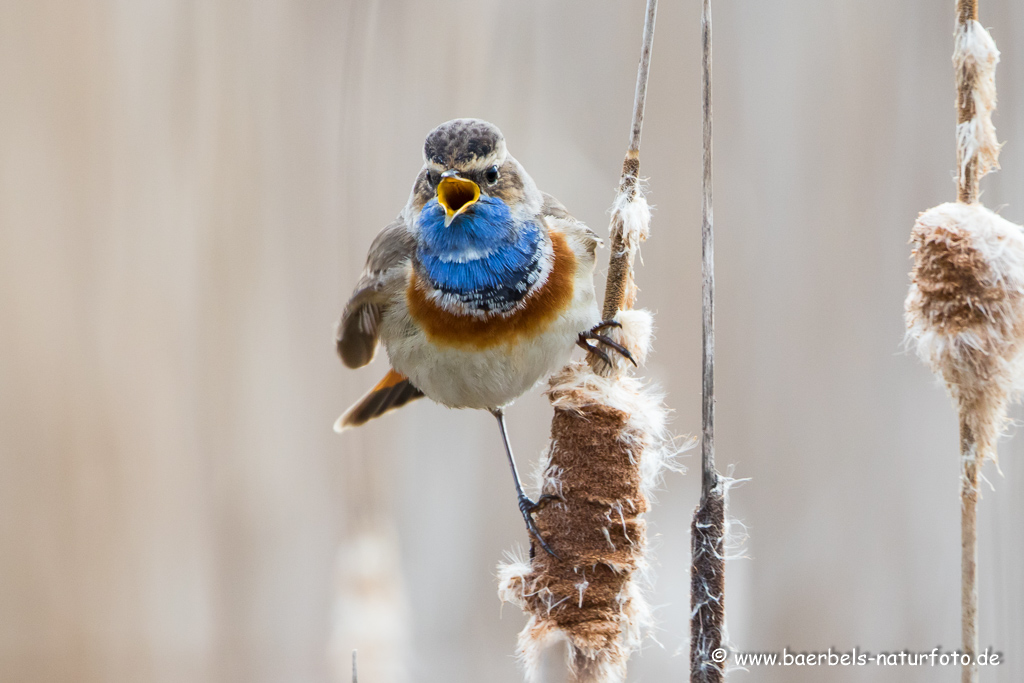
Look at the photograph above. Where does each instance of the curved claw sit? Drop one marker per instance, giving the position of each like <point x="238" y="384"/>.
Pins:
<point x="528" y="507"/>
<point x="549" y="497"/>
<point x="585" y="344"/>
<point x="618" y="347"/>
<point x="594" y="333"/>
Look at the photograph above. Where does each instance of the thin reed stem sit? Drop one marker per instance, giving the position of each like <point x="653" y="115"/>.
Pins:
<point x="640" y="98"/>
<point x="968" y="190"/>
<point x="619" y="288"/>
<point x="968" y="180"/>
<point x="972" y="459"/>
<point x="707" y="573"/>
<point x="709" y="477"/>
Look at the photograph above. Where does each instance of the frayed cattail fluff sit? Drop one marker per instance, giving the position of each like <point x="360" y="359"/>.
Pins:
<point x="965" y="310"/>
<point x="633" y="214"/>
<point x="974" y="60"/>
<point x="608" y="448"/>
<point x="635" y="334"/>
<point x="630" y="225"/>
<point x="707" y="587"/>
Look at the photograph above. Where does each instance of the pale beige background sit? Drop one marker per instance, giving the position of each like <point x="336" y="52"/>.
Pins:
<point x="187" y="190"/>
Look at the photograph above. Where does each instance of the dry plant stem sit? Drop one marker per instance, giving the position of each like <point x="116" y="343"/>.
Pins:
<point x="620" y="292"/>
<point x="965" y="308"/>
<point x="707" y="574"/>
<point x="968" y="183"/>
<point x="968" y="189"/>
<point x="640" y="98"/>
<point x="709" y="476"/>
<point x="972" y="461"/>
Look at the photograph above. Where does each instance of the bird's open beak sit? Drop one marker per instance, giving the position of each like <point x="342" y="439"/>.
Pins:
<point x="456" y="195"/>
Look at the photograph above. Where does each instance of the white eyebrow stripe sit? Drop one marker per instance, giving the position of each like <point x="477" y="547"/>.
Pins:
<point x="492" y="159"/>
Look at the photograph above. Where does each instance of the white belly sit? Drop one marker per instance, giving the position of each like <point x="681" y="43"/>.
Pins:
<point x="488" y="378"/>
<point x="493" y="377"/>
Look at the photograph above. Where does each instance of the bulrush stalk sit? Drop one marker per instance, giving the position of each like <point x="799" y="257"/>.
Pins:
<point x="707" y="531"/>
<point x="965" y="309"/>
<point x="608" y="447"/>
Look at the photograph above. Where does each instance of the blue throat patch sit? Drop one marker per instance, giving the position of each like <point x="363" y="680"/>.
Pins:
<point x="484" y="259"/>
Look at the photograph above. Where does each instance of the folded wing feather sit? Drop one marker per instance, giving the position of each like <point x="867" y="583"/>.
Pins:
<point x="358" y="331"/>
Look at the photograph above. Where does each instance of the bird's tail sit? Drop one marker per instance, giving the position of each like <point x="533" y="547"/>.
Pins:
<point x="392" y="392"/>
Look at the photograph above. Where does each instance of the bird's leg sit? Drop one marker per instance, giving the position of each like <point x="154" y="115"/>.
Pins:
<point x="594" y="333"/>
<point x="526" y="506"/>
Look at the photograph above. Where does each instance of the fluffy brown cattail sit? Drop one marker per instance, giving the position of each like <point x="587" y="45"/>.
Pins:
<point x="608" y="448"/>
<point x="965" y="311"/>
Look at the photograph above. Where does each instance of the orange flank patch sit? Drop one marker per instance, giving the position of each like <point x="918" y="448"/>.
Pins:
<point x="390" y="380"/>
<point x="468" y="332"/>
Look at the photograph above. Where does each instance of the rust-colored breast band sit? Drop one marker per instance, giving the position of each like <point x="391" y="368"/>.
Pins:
<point x="469" y="332"/>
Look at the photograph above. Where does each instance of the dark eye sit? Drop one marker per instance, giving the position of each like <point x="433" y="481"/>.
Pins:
<point x="433" y="178"/>
<point x="491" y="176"/>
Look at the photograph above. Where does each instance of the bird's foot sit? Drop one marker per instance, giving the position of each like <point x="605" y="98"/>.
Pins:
<point x="528" y="507"/>
<point x="594" y="334"/>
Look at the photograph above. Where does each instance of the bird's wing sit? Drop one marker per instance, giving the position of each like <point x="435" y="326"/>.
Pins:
<point x="358" y="330"/>
<point x="554" y="208"/>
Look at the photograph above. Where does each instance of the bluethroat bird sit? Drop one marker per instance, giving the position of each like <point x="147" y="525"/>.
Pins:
<point x="479" y="289"/>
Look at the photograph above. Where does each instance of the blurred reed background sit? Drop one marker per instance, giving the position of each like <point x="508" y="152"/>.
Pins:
<point x="187" y="192"/>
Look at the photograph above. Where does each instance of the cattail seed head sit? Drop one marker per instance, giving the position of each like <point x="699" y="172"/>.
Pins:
<point x="608" y="450"/>
<point x="965" y="310"/>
